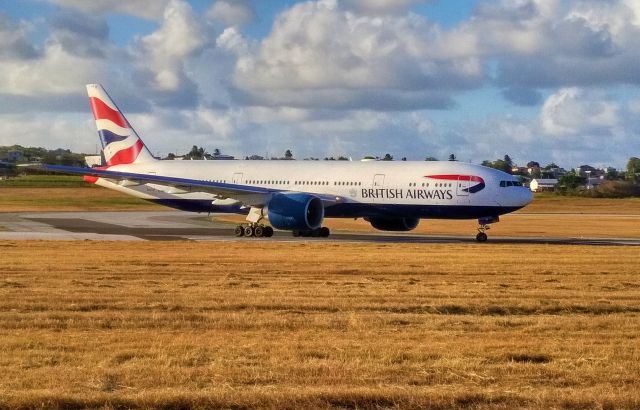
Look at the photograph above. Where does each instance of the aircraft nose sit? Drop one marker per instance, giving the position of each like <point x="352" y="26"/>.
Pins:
<point x="526" y="196"/>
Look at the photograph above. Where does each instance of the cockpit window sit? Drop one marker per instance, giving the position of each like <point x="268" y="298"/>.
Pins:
<point x="510" y="183"/>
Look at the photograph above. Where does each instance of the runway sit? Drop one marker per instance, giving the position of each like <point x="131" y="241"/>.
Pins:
<point x="187" y="226"/>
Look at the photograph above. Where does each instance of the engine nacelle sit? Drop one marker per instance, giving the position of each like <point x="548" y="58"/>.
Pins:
<point x="394" y="224"/>
<point x="295" y="211"/>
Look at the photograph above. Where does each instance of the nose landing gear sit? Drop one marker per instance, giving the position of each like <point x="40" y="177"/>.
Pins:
<point x="484" y="226"/>
<point x="482" y="236"/>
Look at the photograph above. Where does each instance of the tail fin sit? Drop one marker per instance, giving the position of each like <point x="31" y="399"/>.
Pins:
<point x="120" y="142"/>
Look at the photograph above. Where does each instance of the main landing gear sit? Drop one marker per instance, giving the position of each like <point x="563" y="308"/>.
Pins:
<point x="264" y="231"/>
<point x="254" y="230"/>
<point x="257" y="230"/>
<point x="314" y="233"/>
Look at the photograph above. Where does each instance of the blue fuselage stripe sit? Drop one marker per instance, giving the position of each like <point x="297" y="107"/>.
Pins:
<point x="353" y="210"/>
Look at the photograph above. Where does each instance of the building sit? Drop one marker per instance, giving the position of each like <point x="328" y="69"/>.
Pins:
<point x="220" y="157"/>
<point x="588" y="171"/>
<point x="552" y="172"/>
<point x="540" y="184"/>
<point x="515" y="170"/>
<point x="93" y="160"/>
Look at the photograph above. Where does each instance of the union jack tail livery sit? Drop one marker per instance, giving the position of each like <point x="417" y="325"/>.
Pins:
<point x="120" y="142"/>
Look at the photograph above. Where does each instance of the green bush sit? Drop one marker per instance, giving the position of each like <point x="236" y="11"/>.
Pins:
<point x="613" y="189"/>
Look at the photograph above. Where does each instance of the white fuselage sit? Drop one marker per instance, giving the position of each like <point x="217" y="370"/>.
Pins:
<point x="438" y="189"/>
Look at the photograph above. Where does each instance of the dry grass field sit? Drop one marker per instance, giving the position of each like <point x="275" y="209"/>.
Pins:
<point x="318" y="325"/>
<point x="28" y="199"/>
<point x="547" y="202"/>
<point x="522" y="225"/>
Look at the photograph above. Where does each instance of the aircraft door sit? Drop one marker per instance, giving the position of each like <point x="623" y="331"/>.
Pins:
<point x="463" y="184"/>
<point x="462" y="189"/>
<point x="378" y="184"/>
<point x="378" y="180"/>
<point x="237" y="178"/>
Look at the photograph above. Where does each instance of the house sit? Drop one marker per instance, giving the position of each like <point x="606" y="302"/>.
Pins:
<point x="515" y="170"/>
<point x="552" y="173"/>
<point x="93" y="160"/>
<point x="222" y="157"/>
<point x="540" y="184"/>
<point x="589" y="171"/>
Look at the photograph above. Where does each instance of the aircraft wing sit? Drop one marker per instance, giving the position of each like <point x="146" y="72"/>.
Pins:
<point x="249" y="195"/>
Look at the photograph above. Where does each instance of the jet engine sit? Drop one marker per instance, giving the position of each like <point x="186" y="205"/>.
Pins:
<point x="297" y="211"/>
<point x="394" y="224"/>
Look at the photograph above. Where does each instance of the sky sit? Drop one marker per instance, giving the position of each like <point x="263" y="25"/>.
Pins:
<point x="543" y="80"/>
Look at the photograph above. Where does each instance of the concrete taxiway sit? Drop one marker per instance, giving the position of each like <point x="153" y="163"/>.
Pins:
<point x="168" y="225"/>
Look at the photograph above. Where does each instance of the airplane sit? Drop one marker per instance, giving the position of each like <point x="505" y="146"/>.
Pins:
<point x="297" y="196"/>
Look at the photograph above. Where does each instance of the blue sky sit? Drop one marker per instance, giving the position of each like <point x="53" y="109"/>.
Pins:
<point x="545" y="80"/>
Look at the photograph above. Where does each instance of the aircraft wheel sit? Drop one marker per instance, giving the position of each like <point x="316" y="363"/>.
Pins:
<point x="239" y="231"/>
<point x="258" y="231"/>
<point x="324" y="232"/>
<point x="481" y="237"/>
<point x="268" y="232"/>
<point x="248" y="231"/>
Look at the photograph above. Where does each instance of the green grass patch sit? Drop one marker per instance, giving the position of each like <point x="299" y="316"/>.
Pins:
<point x="83" y="202"/>
<point x="45" y="181"/>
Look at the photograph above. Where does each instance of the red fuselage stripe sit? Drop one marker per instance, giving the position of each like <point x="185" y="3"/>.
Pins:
<point x="453" y="177"/>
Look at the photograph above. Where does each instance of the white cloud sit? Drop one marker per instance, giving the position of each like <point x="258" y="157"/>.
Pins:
<point x="551" y="44"/>
<point x="231" y="40"/>
<point x="71" y="56"/>
<point x="14" y="42"/>
<point x="179" y="37"/>
<point x="55" y="72"/>
<point x="320" y="55"/>
<point x="382" y="6"/>
<point x="69" y="131"/>
<point x="148" y="9"/>
<point x="162" y="57"/>
<point x="232" y="12"/>
<point x="575" y="112"/>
